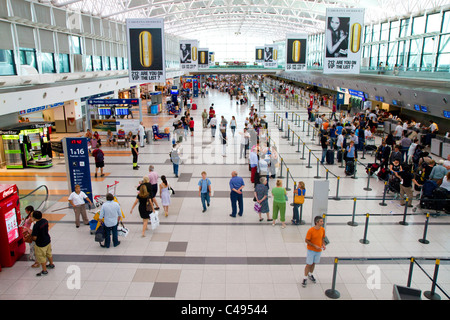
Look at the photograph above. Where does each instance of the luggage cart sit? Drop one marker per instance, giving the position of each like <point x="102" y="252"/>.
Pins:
<point x="98" y="202"/>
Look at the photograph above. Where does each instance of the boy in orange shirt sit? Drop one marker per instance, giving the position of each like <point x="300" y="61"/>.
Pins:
<point x="315" y="245"/>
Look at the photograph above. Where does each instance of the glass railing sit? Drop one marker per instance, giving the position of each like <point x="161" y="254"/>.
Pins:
<point x="38" y="198"/>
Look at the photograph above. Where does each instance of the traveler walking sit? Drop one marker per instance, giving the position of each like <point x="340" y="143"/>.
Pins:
<point x="262" y="197"/>
<point x="164" y="190"/>
<point x="204" y="191"/>
<point x="111" y="214"/>
<point x="145" y="206"/>
<point x="315" y="244"/>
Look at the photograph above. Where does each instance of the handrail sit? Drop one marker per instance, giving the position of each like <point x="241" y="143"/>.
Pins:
<point x="40" y="207"/>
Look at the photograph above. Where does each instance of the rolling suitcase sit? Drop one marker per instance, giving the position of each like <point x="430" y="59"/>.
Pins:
<point x="350" y="167"/>
<point x="439" y="197"/>
<point x="339" y="155"/>
<point x="194" y="106"/>
<point x="330" y="157"/>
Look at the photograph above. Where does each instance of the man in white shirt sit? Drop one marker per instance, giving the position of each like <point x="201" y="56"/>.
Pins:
<point x="141" y="134"/>
<point x="245" y="138"/>
<point x="398" y="131"/>
<point x="213" y="124"/>
<point x="111" y="214"/>
<point x="340" y="141"/>
<point x="76" y="199"/>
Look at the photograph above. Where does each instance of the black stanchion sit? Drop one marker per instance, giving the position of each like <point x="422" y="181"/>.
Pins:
<point x="354" y="171"/>
<point x="309" y="160"/>
<point x="303" y="153"/>
<point x="298" y="144"/>
<point x="410" y="273"/>
<point x="333" y="293"/>
<point x="353" y="223"/>
<point x="383" y="203"/>
<point x="281" y="169"/>
<point x="368" y="181"/>
<point x="432" y="295"/>
<point x="317" y="174"/>
<point x="364" y="240"/>
<point x="287" y="179"/>
<point x="403" y="222"/>
<point x="304" y="125"/>
<point x="337" y="189"/>
<point x="424" y="239"/>
<point x="307" y="133"/>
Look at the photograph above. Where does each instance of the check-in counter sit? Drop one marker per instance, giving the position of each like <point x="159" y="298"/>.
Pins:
<point x="445" y="148"/>
<point x="436" y="146"/>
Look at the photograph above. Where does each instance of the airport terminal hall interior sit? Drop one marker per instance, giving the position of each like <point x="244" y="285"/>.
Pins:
<point x="251" y="151"/>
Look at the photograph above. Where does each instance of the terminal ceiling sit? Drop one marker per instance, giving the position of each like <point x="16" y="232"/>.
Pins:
<point x="255" y="18"/>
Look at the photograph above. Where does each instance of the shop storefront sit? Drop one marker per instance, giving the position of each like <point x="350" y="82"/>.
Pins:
<point x="27" y="145"/>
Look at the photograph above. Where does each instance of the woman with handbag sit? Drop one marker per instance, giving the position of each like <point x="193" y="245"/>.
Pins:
<point x="145" y="206"/>
<point x="299" y="199"/>
<point x="279" y="203"/>
<point x="164" y="193"/>
<point x="262" y="198"/>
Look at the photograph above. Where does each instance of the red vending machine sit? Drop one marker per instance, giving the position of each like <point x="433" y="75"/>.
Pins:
<point x="12" y="244"/>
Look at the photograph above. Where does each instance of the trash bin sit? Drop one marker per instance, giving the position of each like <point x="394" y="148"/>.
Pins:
<point x="406" y="293"/>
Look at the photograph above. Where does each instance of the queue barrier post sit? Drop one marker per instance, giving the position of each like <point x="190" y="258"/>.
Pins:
<point x="333" y="293"/>
<point x="383" y="203"/>
<point x="287" y="179"/>
<point x="298" y="144"/>
<point x="432" y="295"/>
<point x="337" y="189"/>
<point x="281" y="169"/>
<point x="317" y="174"/>
<point x="368" y="181"/>
<point x="364" y="240"/>
<point x="303" y="153"/>
<point x="309" y="160"/>
<point x="403" y="222"/>
<point x="353" y="223"/>
<point x="424" y="239"/>
<point x="354" y="171"/>
<point x="410" y="273"/>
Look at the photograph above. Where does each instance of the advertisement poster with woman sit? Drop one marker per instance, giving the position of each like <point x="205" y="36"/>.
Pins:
<point x="270" y="56"/>
<point x="189" y="55"/>
<point x="343" y="36"/>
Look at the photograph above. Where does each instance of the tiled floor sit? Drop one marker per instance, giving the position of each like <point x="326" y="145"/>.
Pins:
<point x="194" y="255"/>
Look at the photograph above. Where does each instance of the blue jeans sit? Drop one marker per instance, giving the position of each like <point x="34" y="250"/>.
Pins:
<point x="205" y="199"/>
<point x="235" y="197"/>
<point x="108" y="231"/>
<point x="296" y="216"/>
<point x="175" y="168"/>
<point x="324" y="154"/>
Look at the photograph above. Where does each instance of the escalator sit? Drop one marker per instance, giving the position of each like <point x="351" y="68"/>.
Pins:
<point x="38" y="198"/>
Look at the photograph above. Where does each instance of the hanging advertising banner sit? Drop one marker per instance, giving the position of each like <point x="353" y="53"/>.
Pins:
<point x="146" y="50"/>
<point x="296" y="52"/>
<point x="343" y="37"/>
<point x="189" y="55"/>
<point x="270" y="56"/>
<point x="211" y="58"/>
<point x="259" y="54"/>
<point x="203" y="58"/>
